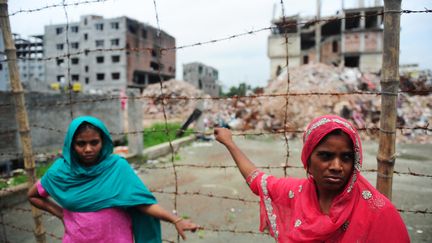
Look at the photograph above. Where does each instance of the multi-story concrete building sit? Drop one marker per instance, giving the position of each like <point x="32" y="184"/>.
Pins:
<point x="353" y="38"/>
<point x="203" y="77"/>
<point x="108" y="55"/>
<point x="29" y="61"/>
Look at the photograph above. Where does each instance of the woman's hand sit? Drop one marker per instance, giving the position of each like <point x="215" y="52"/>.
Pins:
<point x="223" y="135"/>
<point x="182" y="225"/>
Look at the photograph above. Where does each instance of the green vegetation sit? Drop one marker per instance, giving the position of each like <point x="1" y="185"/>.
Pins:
<point x="20" y="179"/>
<point x="241" y="90"/>
<point x="157" y="133"/>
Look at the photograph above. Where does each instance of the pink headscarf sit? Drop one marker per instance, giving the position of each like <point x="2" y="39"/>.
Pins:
<point x="323" y="125"/>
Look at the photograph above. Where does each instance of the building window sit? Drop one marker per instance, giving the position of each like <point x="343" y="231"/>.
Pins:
<point x="115" y="25"/>
<point x="1" y="66"/>
<point x="87" y="80"/>
<point x="74" y="29"/>
<point x="59" y="46"/>
<point x="75" y="77"/>
<point x="75" y="45"/>
<point x="60" y="78"/>
<point x="100" y="76"/>
<point x="115" y="42"/>
<point x="99" y="26"/>
<point x="335" y="46"/>
<point x="305" y="61"/>
<point x="115" y="76"/>
<point x="144" y="34"/>
<point x="154" y="65"/>
<point x="153" y="52"/>
<point x="86" y="68"/>
<point x="75" y="60"/>
<point x="115" y="58"/>
<point x="99" y="43"/>
<point x="100" y="59"/>
<point x="60" y="61"/>
<point x="200" y="69"/>
<point x="85" y="36"/>
<point x="59" y="30"/>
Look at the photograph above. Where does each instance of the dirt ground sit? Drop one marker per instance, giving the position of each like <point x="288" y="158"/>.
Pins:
<point x="229" y="220"/>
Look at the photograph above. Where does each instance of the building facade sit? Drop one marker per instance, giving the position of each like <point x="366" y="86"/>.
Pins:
<point x="353" y="38"/>
<point x="107" y="55"/>
<point x="202" y="77"/>
<point x="30" y="63"/>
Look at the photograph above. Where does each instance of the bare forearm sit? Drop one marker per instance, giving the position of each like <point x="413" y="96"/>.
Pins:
<point x="44" y="203"/>
<point x="245" y="166"/>
<point x="47" y="205"/>
<point x="155" y="210"/>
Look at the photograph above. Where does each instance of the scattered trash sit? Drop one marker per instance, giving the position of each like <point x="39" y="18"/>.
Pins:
<point x="267" y="112"/>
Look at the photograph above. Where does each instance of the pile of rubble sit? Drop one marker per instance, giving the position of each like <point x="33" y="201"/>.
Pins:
<point x="315" y="89"/>
<point x="181" y="100"/>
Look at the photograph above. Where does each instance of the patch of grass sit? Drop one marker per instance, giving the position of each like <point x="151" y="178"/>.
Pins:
<point x="3" y="185"/>
<point x="158" y="133"/>
<point x="42" y="169"/>
<point x="20" y="179"/>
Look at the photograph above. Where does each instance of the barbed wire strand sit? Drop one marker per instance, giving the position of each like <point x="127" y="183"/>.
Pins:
<point x="159" y="57"/>
<point x="68" y="61"/>
<point x="62" y="4"/>
<point x="252" y="32"/>
<point x="286" y="45"/>
<point x="164" y="98"/>
<point x="158" y="98"/>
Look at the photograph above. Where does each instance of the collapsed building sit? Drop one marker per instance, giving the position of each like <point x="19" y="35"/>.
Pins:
<point x="351" y="38"/>
<point x="272" y="112"/>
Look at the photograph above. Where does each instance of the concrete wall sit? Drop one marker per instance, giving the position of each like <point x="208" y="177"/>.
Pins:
<point x="277" y="52"/>
<point x="202" y="76"/>
<point x="52" y="112"/>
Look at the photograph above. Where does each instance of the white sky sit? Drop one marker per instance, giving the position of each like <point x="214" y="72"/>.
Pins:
<point x="243" y="59"/>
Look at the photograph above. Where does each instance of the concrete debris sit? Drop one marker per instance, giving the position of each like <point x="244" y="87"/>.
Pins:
<point x="274" y="111"/>
<point x="174" y="108"/>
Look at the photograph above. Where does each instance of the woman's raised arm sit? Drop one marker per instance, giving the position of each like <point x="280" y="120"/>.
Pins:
<point x="245" y="166"/>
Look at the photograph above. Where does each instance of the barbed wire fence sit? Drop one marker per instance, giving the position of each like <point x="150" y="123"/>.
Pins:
<point x="285" y="131"/>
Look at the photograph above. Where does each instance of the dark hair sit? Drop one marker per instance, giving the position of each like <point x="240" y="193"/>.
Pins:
<point x="87" y="126"/>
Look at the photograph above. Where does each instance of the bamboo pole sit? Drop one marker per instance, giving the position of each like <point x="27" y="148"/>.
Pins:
<point x="389" y="85"/>
<point x="21" y="113"/>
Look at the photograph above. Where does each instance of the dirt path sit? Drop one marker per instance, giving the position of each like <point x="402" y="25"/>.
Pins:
<point x="228" y="220"/>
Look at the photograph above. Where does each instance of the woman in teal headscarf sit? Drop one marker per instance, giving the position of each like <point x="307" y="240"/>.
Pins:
<point x="100" y="198"/>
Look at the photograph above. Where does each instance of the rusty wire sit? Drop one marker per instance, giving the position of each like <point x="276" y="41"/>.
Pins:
<point x="163" y="97"/>
<point x="62" y="4"/>
<point x="175" y="97"/>
<point x="251" y="32"/>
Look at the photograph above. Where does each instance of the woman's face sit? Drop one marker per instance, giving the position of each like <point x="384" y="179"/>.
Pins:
<point x="88" y="144"/>
<point x="331" y="163"/>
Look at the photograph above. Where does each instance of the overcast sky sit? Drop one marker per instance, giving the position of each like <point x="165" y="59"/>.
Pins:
<point x="242" y="59"/>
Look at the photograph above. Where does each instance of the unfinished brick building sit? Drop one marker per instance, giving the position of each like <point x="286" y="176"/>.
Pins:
<point x="352" y="38"/>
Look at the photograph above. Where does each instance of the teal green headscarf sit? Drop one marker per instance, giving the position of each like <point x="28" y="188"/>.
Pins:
<point x="110" y="183"/>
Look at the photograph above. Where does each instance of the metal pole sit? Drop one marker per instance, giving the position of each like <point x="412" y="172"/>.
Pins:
<point x="389" y="85"/>
<point x="318" y="33"/>
<point x="21" y="113"/>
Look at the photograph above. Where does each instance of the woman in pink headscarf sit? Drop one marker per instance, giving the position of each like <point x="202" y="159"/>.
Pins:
<point x="334" y="203"/>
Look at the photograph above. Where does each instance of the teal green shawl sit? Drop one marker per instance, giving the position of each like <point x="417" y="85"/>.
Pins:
<point x="110" y="183"/>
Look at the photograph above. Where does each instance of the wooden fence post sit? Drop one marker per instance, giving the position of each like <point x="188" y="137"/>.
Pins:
<point x="21" y="113"/>
<point x="389" y="86"/>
